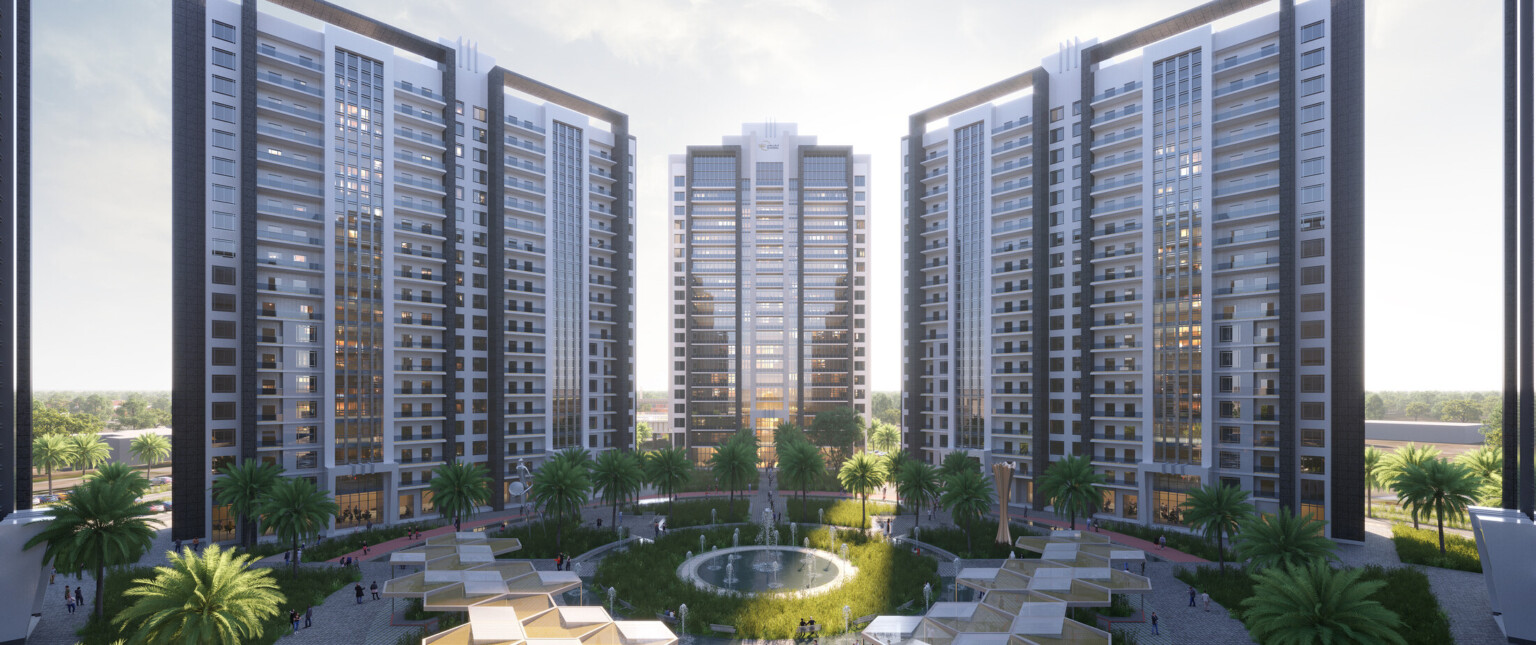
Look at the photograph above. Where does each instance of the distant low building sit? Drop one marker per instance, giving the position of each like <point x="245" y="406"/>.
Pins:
<point x="1424" y="431"/>
<point x="120" y="440"/>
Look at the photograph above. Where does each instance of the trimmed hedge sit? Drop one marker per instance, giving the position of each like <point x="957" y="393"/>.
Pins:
<point x="983" y="544"/>
<point x="645" y="576"/>
<point x="1422" y="546"/>
<point x="841" y="512"/>
<point x="1407" y="593"/>
<point x="309" y="588"/>
<point x="538" y="539"/>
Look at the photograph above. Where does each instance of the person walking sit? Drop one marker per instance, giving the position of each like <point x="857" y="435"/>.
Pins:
<point x="309" y="617"/>
<point x="1191" y="596"/>
<point x="69" y="603"/>
<point x="293" y="619"/>
<point x="1205" y="598"/>
<point x="79" y="597"/>
<point x="1154" y="623"/>
<point x="365" y="547"/>
<point x="358" y="589"/>
<point x="1162" y="541"/>
<point x="374" y="588"/>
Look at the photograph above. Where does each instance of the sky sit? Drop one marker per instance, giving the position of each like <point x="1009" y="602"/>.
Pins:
<point x="691" y="71"/>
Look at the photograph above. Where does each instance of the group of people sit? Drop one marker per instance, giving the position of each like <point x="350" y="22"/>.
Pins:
<point x="196" y="544"/>
<point x="373" y="588"/>
<point x="562" y="562"/>
<point x="308" y="616"/>
<point x="71" y="601"/>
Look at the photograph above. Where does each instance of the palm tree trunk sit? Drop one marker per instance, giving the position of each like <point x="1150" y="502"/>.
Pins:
<point x="559" y="527"/>
<point x="967" y="535"/>
<point x="803" y="511"/>
<point x="864" y="513"/>
<point x="1440" y="523"/>
<point x="1221" y="553"/>
<point x="50" y="481"/>
<point x="615" y="522"/>
<point x="1370" y="511"/>
<point x="295" y="556"/>
<point x="101" y="585"/>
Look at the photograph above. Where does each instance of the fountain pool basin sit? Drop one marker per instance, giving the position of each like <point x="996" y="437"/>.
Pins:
<point x="766" y="570"/>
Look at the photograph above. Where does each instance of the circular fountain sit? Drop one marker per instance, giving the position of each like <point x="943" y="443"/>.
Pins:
<point x="771" y="570"/>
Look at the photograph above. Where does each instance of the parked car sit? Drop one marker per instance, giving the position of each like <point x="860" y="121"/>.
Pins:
<point x="160" y="507"/>
<point x="46" y="498"/>
<point x="160" y="480"/>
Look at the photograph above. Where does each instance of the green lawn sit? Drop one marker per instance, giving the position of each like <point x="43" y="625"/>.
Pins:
<point x="1422" y="546"/>
<point x="842" y="512"/>
<point x="1406" y="593"/>
<point x="645" y="577"/>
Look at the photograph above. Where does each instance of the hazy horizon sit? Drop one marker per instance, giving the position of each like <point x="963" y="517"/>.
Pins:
<point x="691" y="71"/>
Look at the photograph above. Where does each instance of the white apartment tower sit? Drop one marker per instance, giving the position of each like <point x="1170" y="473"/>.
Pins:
<point x="769" y="284"/>
<point x="389" y="253"/>
<point x="1148" y="251"/>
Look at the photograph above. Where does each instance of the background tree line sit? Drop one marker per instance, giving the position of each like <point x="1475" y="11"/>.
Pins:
<point x="1461" y="407"/>
<point x="70" y="413"/>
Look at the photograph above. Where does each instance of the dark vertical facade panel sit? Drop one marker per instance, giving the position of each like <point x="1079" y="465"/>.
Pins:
<point x="623" y="289"/>
<point x="9" y="216"/>
<point x="1087" y="60"/>
<point x="1347" y="139"/>
<point x="1289" y="486"/>
<point x="1040" y="300"/>
<point x="23" y="165"/>
<point x="248" y="406"/>
<point x="912" y="288"/>
<point x="1511" y="492"/>
<point x="189" y="469"/>
<point x="496" y="283"/>
<point x="1527" y="272"/>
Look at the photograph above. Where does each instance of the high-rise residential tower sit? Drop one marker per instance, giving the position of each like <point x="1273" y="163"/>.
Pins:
<point x="769" y="283"/>
<point x="15" y="256"/>
<point x="1148" y="251"/>
<point x="389" y="253"/>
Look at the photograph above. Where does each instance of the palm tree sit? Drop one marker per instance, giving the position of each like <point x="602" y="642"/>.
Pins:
<point x="884" y="437"/>
<point x="296" y="511"/>
<point x="213" y="597"/>
<point x="241" y="487"/>
<point x="1409" y="455"/>
<point x="917" y="482"/>
<point x="861" y="474"/>
<point x="892" y="464"/>
<point x="1218" y="510"/>
<point x="667" y="469"/>
<point x="150" y="448"/>
<point x="51" y="451"/>
<point x="560" y="487"/>
<point x="617" y="475"/>
<point x="90" y="450"/>
<point x="968" y="493"/>
<point x="1070" y="486"/>
<point x="955" y="462"/>
<point x="1440" y="486"/>
<point x="575" y="455"/>
<point x="801" y="464"/>
<point x="458" y="488"/>
<point x="1486" y="462"/>
<point x="99" y="526"/>
<point x="121" y="473"/>
<point x="1375" y="475"/>
<point x="1314" y="603"/>
<point x="734" y="463"/>
<point x="1281" y="540"/>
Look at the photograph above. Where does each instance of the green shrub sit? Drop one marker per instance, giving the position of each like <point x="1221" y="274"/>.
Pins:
<point x="340" y="545"/>
<point x="308" y="588"/>
<point x="538" y="539"/>
<point x="983" y="540"/>
<point x="1194" y="545"/>
<point x="1395" y="514"/>
<point x="645" y="576"/>
<point x="1422" y="546"/>
<point x="695" y="512"/>
<point x="1407" y="593"/>
<point x="826" y="483"/>
<point x="841" y="512"/>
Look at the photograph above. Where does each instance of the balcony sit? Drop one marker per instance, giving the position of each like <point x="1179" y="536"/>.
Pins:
<point x="1113" y="92"/>
<point x="422" y="92"/>
<point x="1009" y="125"/>
<point x="1258" y="80"/>
<point x="297" y="61"/>
<point x="417" y="113"/>
<point x="1115" y="115"/>
<point x="1233" y="62"/>
<point x="1247" y="135"/>
<point x="1116" y="160"/>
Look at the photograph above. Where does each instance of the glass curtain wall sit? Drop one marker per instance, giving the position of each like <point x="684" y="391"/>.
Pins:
<point x="567" y="318"/>
<point x="969" y="183"/>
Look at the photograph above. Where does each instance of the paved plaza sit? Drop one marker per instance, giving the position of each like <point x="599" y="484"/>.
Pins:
<point x="341" y="621"/>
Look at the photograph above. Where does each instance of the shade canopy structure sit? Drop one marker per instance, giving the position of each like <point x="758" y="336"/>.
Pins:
<point x="460" y="570"/>
<point x="536" y="619"/>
